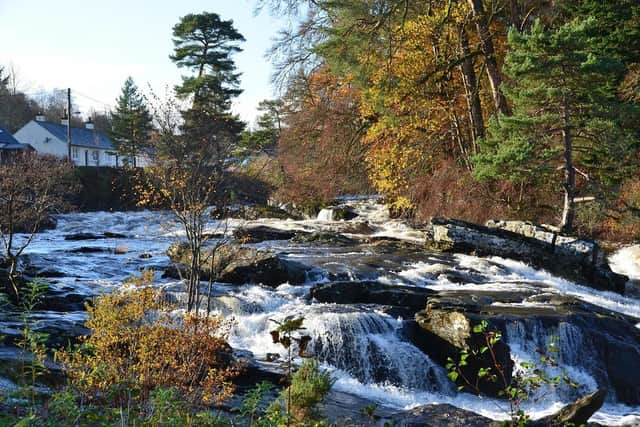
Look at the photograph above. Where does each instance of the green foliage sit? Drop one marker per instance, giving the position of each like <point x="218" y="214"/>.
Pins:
<point x="252" y="406"/>
<point x="269" y="125"/>
<point x="32" y="342"/>
<point x="529" y="378"/>
<point x="137" y="347"/>
<point x="566" y="115"/>
<point x="204" y="44"/>
<point x="131" y="123"/>
<point x="309" y="386"/>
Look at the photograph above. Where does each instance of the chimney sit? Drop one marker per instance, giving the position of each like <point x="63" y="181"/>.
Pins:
<point x="64" y="121"/>
<point x="89" y="124"/>
<point x="40" y="117"/>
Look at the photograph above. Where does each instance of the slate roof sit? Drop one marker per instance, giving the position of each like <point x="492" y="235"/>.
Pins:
<point x="80" y="137"/>
<point x="8" y="142"/>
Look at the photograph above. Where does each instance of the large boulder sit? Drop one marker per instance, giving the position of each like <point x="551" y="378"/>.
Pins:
<point x="446" y="330"/>
<point x="239" y="264"/>
<point x="370" y="292"/>
<point x="591" y="339"/>
<point x="566" y="256"/>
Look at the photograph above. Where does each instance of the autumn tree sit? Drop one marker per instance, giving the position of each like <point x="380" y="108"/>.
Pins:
<point x="566" y="115"/>
<point x="32" y="187"/>
<point x="131" y="123"/>
<point x="321" y="149"/>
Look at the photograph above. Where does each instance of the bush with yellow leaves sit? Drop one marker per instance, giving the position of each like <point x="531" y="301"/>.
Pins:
<point x="137" y="345"/>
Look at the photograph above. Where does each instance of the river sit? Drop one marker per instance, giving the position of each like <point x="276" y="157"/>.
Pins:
<point x="365" y="346"/>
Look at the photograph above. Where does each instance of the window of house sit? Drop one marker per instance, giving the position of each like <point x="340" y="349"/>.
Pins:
<point x="74" y="152"/>
<point x="95" y="155"/>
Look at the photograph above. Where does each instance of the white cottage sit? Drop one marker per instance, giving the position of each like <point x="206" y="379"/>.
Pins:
<point x="89" y="147"/>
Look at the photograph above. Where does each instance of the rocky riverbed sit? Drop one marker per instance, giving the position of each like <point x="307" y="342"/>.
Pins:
<point x="384" y="312"/>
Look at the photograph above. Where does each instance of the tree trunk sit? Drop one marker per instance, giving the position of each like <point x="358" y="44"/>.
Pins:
<point x="471" y="88"/>
<point x="515" y="13"/>
<point x="486" y="45"/>
<point x="568" y="212"/>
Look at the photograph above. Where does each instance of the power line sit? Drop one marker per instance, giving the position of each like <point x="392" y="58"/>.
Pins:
<point x="106" y="104"/>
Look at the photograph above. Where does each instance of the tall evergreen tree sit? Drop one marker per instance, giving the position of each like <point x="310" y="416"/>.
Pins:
<point x="204" y="44"/>
<point x="566" y="114"/>
<point x="190" y="160"/>
<point x="131" y="123"/>
<point x="268" y="129"/>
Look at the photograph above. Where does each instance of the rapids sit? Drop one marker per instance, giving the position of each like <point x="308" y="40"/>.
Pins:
<point x="364" y="346"/>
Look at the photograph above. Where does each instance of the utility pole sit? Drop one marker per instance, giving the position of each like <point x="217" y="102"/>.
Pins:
<point x="69" y="124"/>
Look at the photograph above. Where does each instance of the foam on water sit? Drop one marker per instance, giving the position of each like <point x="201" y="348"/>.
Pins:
<point x="364" y="348"/>
<point x="510" y="275"/>
<point x="627" y="261"/>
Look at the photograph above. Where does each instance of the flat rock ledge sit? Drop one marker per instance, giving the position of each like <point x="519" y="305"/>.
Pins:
<point x="568" y="257"/>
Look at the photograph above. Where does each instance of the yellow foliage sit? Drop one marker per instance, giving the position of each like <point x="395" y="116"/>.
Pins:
<point x="136" y="346"/>
<point x="417" y="96"/>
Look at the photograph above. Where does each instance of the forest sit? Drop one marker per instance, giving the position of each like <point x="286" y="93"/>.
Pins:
<point x="471" y="109"/>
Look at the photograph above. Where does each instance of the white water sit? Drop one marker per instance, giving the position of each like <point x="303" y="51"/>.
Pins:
<point x="364" y="348"/>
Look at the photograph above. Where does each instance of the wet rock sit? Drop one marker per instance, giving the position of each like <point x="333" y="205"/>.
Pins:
<point x="253" y="372"/>
<point x="357" y="227"/>
<point x="248" y="265"/>
<point x="93" y="236"/>
<point x="111" y="235"/>
<point x="175" y="271"/>
<point x="260" y="233"/>
<point x="448" y="330"/>
<point x="238" y="264"/>
<point x="391" y="242"/>
<point x="145" y="256"/>
<point x="63" y="301"/>
<point x="305" y="210"/>
<point x="599" y="342"/>
<point x="441" y="415"/>
<point x="324" y="237"/>
<point x="88" y="250"/>
<point x="575" y="414"/>
<point x="566" y="256"/>
<point x="345" y="409"/>
<point x="370" y="292"/>
<point x="254" y="212"/>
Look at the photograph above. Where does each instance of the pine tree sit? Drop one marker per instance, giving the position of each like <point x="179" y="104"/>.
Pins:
<point x="269" y="126"/>
<point x="204" y="44"/>
<point x="131" y="123"/>
<point x="566" y="114"/>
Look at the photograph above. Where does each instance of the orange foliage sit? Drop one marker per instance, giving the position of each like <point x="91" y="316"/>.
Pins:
<point x="320" y="150"/>
<point x="136" y="346"/>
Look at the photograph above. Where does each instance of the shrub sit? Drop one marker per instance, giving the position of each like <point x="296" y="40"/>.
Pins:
<point x="137" y="346"/>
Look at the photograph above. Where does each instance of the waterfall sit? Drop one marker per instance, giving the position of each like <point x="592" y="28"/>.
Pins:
<point x="529" y="339"/>
<point x="325" y="215"/>
<point x="368" y="346"/>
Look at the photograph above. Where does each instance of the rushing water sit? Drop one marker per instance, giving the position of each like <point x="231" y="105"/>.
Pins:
<point x="362" y="345"/>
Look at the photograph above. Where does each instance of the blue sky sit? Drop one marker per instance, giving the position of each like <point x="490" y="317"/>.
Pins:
<point x="92" y="46"/>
